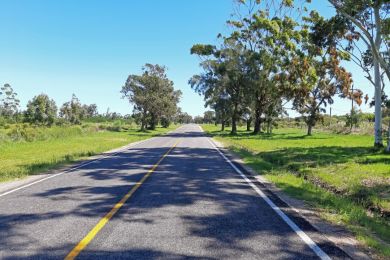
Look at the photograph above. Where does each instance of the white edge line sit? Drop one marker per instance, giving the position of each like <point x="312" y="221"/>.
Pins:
<point x="116" y="151"/>
<point x="317" y="250"/>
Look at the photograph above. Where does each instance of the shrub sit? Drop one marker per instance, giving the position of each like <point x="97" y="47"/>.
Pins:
<point x="165" y="122"/>
<point x="41" y="110"/>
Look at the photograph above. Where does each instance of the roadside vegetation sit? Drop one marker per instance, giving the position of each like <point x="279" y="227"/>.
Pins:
<point x="44" y="136"/>
<point x="340" y="175"/>
<point x="281" y="57"/>
<point x="26" y="150"/>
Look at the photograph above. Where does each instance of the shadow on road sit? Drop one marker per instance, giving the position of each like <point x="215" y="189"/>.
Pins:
<point x="219" y="210"/>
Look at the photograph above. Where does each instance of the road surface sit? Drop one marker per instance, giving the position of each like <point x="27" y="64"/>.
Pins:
<point x="170" y="197"/>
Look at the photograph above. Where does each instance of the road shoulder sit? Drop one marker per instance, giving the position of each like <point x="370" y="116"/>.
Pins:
<point x="13" y="185"/>
<point x="338" y="235"/>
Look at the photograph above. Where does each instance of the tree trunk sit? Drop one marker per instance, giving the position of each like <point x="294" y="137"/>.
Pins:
<point x="388" y="139"/>
<point x="257" y="125"/>
<point x="309" y="129"/>
<point x="234" y="121"/>
<point x="143" y="121"/>
<point x="378" y="90"/>
<point x="153" y="122"/>
<point x="258" y="113"/>
<point x="223" y="125"/>
<point x="234" y="126"/>
<point x="248" y="124"/>
<point x="378" y="107"/>
<point x="269" y="127"/>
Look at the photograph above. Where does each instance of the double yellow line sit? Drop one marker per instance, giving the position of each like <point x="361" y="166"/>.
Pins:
<point x="96" y="229"/>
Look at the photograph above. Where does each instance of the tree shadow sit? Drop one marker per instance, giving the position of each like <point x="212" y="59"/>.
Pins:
<point x="193" y="202"/>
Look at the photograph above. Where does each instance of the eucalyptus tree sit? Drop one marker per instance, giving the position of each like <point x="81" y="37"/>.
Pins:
<point x="223" y="109"/>
<point x="209" y="117"/>
<point x="315" y="75"/>
<point x="72" y="111"/>
<point x="269" y="34"/>
<point x="9" y="102"/>
<point x="41" y="110"/>
<point x="152" y="95"/>
<point x="182" y="117"/>
<point x="225" y="74"/>
<point x="90" y="110"/>
<point x="371" y="26"/>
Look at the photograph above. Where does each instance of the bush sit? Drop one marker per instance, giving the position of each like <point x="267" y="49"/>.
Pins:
<point x="3" y="122"/>
<point x="165" y="122"/>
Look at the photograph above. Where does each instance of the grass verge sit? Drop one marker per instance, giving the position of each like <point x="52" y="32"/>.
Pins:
<point x="340" y="175"/>
<point x="20" y="159"/>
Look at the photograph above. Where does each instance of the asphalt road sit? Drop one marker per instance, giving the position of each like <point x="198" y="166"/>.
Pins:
<point x="193" y="206"/>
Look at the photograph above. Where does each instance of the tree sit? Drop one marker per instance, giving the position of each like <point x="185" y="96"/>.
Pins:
<point x="41" y="110"/>
<point x="269" y="35"/>
<point x="152" y="95"/>
<point x="353" y="119"/>
<point x="182" y="117"/>
<point x="90" y="110"/>
<point x="72" y="111"/>
<point x="9" y="103"/>
<point x="225" y="74"/>
<point x="198" y="120"/>
<point x="372" y="26"/>
<point x="185" y="118"/>
<point x="208" y="117"/>
<point x="386" y="112"/>
<point x="223" y="110"/>
<point x="314" y="73"/>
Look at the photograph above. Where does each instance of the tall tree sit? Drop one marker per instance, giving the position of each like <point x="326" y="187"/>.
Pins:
<point x="90" y="110"/>
<point x="208" y="117"/>
<point x="314" y="74"/>
<point x="269" y="34"/>
<point x="9" y="102"/>
<point x="372" y="26"/>
<point x="225" y="75"/>
<point x="152" y="95"/>
<point x="41" y="110"/>
<point x="72" y="111"/>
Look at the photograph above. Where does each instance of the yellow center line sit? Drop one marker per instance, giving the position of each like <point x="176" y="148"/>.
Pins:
<point x="96" y="229"/>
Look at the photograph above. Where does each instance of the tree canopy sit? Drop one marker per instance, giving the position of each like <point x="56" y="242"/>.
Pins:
<point x="152" y="95"/>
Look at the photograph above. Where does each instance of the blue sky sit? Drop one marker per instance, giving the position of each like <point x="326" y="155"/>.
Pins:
<point x="89" y="47"/>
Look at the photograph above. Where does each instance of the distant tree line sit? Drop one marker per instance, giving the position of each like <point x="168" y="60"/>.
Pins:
<point x="42" y="110"/>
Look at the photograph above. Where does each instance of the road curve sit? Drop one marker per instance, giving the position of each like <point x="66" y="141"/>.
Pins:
<point x="188" y="204"/>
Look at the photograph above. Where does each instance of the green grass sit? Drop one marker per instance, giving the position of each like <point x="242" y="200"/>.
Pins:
<point x="340" y="175"/>
<point x="62" y="145"/>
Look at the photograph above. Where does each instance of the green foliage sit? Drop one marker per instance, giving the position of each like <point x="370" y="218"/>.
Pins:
<point x="366" y="22"/>
<point x="224" y="80"/>
<point x="198" y="120"/>
<point x="203" y="50"/>
<point x="341" y="175"/>
<point x="27" y="150"/>
<point x="9" y="103"/>
<point x="152" y="95"/>
<point x="165" y="122"/>
<point x="41" y="110"/>
<point x="354" y="118"/>
<point x="90" y="111"/>
<point x="182" y="117"/>
<point x="208" y="117"/>
<point x="72" y="111"/>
